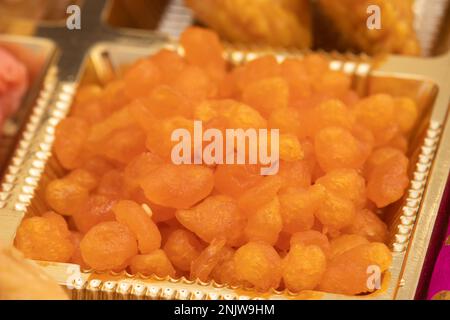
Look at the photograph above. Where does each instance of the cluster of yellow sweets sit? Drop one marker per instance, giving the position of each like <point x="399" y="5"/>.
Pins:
<point x="311" y="226"/>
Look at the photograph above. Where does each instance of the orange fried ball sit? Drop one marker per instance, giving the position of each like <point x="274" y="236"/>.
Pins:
<point x="159" y="135"/>
<point x="141" y="166"/>
<point x="337" y="148"/>
<point x="290" y="148"/>
<point x="265" y="224"/>
<point x="377" y="113"/>
<point x="378" y="157"/>
<point x="141" y="77"/>
<point x="311" y="238"/>
<point x="96" y="209"/>
<point x="336" y="212"/>
<point x="369" y="225"/>
<point x="298" y="208"/>
<point x="45" y="238"/>
<point x="388" y="181"/>
<point x="97" y="166"/>
<point x="225" y="271"/>
<point x="259" y="265"/>
<point x="165" y="102"/>
<point x="155" y="262"/>
<point x="344" y="243"/>
<point x="330" y="113"/>
<point x="225" y="114"/>
<point x="288" y="120"/>
<point x="182" y="248"/>
<point x="234" y="179"/>
<point x="349" y="272"/>
<point x="406" y="114"/>
<point x="66" y="196"/>
<point x="303" y="267"/>
<point x="140" y="223"/>
<point x="111" y="185"/>
<point x="203" y="49"/>
<point x="345" y="183"/>
<point x="109" y="246"/>
<point x="83" y="178"/>
<point x="70" y="137"/>
<point x="178" y="187"/>
<point x="216" y="216"/>
<point x="296" y="174"/>
<point x="267" y="95"/>
<point x="263" y="192"/>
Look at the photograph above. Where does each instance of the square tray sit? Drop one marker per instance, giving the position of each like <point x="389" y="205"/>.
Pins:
<point x="38" y="167"/>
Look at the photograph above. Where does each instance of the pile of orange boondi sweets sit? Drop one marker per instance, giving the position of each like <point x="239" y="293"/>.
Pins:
<point x="123" y="205"/>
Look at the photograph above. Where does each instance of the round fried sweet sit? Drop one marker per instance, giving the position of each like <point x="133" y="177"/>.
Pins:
<point x="182" y="248"/>
<point x="369" y="225"/>
<point x="83" y="178"/>
<point x="96" y="209"/>
<point x="267" y="95"/>
<point x="263" y="192"/>
<point x="44" y="238"/>
<point x="155" y="262"/>
<point x="141" y="166"/>
<point x="349" y="272"/>
<point x="388" y="181"/>
<point x="215" y="217"/>
<point x="265" y="224"/>
<point x="344" y="243"/>
<point x="66" y="196"/>
<point x="140" y="223"/>
<point x="70" y="136"/>
<point x="179" y="186"/>
<point x="298" y="208"/>
<point x="336" y="212"/>
<point x="311" y="238"/>
<point x="303" y="267"/>
<point x="108" y="246"/>
<point x="234" y="179"/>
<point x="141" y="78"/>
<point x="337" y="148"/>
<point x="345" y="183"/>
<point x="258" y="264"/>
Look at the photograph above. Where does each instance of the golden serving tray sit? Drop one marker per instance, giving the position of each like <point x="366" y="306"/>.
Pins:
<point x="410" y="220"/>
<point x="36" y="54"/>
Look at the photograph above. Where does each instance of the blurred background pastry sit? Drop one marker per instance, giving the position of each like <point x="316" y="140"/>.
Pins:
<point x="337" y="24"/>
<point x="348" y="19"/>
<point x="20" y="16"/>
<point x="279" y="23"/>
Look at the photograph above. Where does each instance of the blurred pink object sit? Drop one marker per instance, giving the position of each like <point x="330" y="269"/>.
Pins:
<point x="13" y="83"/>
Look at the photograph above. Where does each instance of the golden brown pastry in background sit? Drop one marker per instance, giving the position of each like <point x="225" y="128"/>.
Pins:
<point x="278" y="23"/>
<point x="349" y="18"/>
<point x="22" y="279"/>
